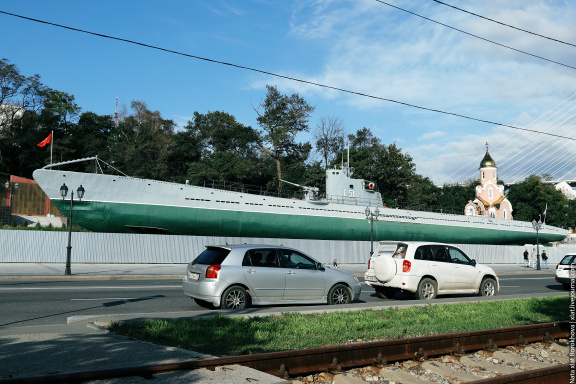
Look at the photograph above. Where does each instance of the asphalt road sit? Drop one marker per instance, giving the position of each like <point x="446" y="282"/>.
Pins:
<point x="32" y="303"/>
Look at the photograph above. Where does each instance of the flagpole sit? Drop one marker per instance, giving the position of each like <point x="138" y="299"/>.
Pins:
<point x="51" y="145"/>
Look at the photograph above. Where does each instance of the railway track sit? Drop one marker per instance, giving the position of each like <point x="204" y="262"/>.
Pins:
<point x="523" y="354"/>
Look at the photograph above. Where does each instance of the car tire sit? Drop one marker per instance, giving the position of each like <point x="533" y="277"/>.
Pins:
<point x="487" y="287"/>
<point x="204" y="303"/>
<point x="235" y="297"/>
<point x="566" y="286"/>
<point x="427" y="289"/>
<point x="339" y="294"/>
<point x="385" y="292"/>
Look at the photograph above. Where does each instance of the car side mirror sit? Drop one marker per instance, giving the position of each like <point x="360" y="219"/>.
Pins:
<point x="473" y="263"/>
<point x="320" y="267"/>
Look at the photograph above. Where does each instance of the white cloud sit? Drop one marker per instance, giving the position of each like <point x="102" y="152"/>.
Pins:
<point x="432" y="135"/>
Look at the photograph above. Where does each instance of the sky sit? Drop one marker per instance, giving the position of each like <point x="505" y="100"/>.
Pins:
<point x="362" y="46"/>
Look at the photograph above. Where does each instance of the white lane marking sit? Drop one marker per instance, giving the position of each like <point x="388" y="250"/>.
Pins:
<point x="87" y="288"/>
<point x="107" y="298"/>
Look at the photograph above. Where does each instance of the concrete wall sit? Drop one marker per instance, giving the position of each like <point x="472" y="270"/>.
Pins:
<point x="50" y="247"/>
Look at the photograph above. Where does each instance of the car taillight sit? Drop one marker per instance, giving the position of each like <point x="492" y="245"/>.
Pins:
<point x="406" y="265"/>
<point x="370" y="259"/>
<point x="212" y="271"/>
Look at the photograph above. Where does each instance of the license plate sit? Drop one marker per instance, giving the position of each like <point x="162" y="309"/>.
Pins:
<point x="193" y="276"/>
<point x="370" y="278"/>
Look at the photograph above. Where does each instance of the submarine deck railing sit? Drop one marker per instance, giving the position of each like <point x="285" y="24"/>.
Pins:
<point x="289" y="193"/>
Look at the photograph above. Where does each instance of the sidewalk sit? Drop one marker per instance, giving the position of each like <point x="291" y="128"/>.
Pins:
<point x="55" y="271"/>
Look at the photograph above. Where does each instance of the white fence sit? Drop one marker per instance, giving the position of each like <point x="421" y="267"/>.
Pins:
<point x="50" y="247"/>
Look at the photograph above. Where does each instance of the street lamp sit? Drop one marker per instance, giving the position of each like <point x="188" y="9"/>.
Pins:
<point x="536" y="225"/>
<point x="371" y="216"/>
<point x="12" y="191"/>
<point x="63" y="193"/>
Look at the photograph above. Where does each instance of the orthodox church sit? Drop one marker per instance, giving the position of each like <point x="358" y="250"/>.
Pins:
<point x="490" y="199"/>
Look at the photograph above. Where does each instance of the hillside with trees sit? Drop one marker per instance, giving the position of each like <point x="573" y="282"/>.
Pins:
<point x="213" y="145"/>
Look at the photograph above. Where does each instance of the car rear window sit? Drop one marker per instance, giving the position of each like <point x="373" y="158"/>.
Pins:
<point x="568" y="259"/>
<point x="400" y="252"/>
<point x="212" y="256"/>
<point x="387" y="249"/>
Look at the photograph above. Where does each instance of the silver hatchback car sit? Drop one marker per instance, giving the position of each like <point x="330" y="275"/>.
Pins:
<point x="236" y="276"/>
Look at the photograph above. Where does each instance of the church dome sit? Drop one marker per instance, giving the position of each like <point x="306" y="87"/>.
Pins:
<point x="487" y="161"/>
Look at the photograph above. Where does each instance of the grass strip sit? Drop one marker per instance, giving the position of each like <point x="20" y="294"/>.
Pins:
<point x="230" y="336"/>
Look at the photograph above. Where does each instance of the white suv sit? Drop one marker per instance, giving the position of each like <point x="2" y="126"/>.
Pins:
<point x="566" y="271"/>
<point x="427" y="269"/>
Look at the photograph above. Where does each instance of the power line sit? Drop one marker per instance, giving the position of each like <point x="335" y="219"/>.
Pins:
<point x="282" y="76"/>
<point x="476" y="36"/>
<point x="507" y="25"/>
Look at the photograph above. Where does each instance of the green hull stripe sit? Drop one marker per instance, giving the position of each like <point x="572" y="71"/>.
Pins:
<point x="108" y="217"/>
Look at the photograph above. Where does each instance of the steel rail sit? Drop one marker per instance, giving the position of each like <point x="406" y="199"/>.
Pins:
<point x="337" y="358"/>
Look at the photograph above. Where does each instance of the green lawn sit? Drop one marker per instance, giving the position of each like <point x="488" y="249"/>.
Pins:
<point x="224" y="336"/>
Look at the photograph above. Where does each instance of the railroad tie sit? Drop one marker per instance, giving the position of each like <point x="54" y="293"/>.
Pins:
<point x="442" y="370"/>
<point x="398" y="375"/>
<point x="565" y="350"/>
<point x="491" y="367"/>
<point x="514" y="358"/>
<point x="554" y="356"/>
<point x="347" y="379"/>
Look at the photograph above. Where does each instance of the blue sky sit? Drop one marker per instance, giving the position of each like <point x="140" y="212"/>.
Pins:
<point x="362" y="45"/>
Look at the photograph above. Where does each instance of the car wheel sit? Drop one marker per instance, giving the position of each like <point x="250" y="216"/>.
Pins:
<point x="566" y="286"/>
<point x="427" y="289"/>
<point x="235" y="298"/>
<point x="339" y="294"/>
<point x="204" y="303"/>
<point x="385" y="292"/>
<point x="487" y="287"/>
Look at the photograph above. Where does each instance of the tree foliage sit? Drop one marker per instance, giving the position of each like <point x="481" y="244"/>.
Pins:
<point x="532" y="197"/>
<point x="329" y="136"/>
<point x="143" y="143"/>
<point x="215" y="146"/>
<point x="225" y="149"/>
<point x="281" y="119"/>
<point x="386" y="165"/>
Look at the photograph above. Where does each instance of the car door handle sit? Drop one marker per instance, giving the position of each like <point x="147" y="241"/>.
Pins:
<point x="290" y="273"/>
<point x="251" y="271"/>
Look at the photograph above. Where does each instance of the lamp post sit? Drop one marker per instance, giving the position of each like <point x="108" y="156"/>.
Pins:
<point x="371" y="216"/>
<point x="12" y="191"/>
<point x="63" y="193"/>
<point x="536" y="225"/>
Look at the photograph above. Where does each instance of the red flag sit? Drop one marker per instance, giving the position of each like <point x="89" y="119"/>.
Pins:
<point x="47" y="140"/>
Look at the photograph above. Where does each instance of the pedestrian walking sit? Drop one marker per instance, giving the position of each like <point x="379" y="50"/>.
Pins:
<point x="533" y="258"/>
<point x="526" y="258"/>
<point x="335" y="262"/>
<point x="545" y="259"/>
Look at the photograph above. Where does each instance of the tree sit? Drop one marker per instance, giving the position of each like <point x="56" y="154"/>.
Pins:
<point x="452" y="198"/>
<point x="18" y="94"/>
<point x="421" y="194"/>
<point x="329" y="136"/>
<point x="142" y="143"/>
<point x="531" y="197"/>
<point x="282" y="118"/>
<point x="225" y="149"/>
<point x="391" y="170"/>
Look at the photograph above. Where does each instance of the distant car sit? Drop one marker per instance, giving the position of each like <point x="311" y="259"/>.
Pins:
<point x="565" y="269"/>
<point x="237" y="276"/>
<point x="427" y="270"/>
